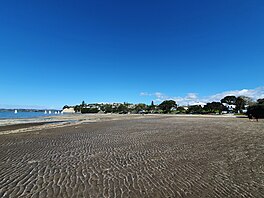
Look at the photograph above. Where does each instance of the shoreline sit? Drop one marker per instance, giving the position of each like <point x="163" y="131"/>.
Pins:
<point x="24" y="125"/>
<point x="32" y="124"/>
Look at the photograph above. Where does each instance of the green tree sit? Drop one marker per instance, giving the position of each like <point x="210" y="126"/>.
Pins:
<point x="140" y="107"/>
<point x="65" y="107"/>
<point x="167" y="105"/>
<point x="231" y="100"/>
<point x="122" y="108"/>
<point x="195" y="109"/>
<point x="107" y="108"/>
<point x="151" y="107"/>
<point x="77" y="108"/>
<point x="214" y="107"/>
<point x="248" y="101"/>
<point x="240" y="104"/>
<point x="89" y="110"/>
<point x="83" y="104"/>
<point x="181" y="110"/>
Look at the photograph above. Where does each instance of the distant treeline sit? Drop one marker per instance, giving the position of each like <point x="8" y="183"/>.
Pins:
<point x="229" y="104"/>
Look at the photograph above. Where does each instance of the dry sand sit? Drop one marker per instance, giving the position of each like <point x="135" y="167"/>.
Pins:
<point x="155" y="156"/>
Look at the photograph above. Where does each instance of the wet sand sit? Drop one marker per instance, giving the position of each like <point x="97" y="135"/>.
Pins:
<point x="25" y="125"/>
<point x="8" y="126"/>
<point x="166" y="156"/>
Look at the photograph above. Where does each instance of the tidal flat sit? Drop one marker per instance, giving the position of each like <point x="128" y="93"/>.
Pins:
<point x="154" y="156"/>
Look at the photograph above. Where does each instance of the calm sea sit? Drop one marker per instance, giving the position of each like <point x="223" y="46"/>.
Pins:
<point x="12" y="115"/>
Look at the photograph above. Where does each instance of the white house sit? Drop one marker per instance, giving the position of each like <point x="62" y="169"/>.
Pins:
<point x="202" y="104"/>
<point x="229" y="106"/>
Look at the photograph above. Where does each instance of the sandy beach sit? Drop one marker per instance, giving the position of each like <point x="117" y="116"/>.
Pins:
<point x="135" y="156"/>
<point x="8" y="126"/>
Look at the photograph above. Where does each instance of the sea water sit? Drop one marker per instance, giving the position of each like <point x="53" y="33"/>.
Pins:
<point x="23" y="114"/>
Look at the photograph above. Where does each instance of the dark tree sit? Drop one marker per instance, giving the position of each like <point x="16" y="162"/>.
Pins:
<point x="256" y="111"/>
<point x="181" y="110"/>
<point x="151" y="107"/>
<point x="195" y="109"/>
<point x="214" y="107"/>
<point x="248" y="101"/>
<point x="231" y="100"/>
<point x="65" y="107"/>
<point x="107" y="108"/>
<point x="260" y="101"/>
<point x="140" y="107"/>
<point x="77" y="108"/>
<point x="122" y="109"/>
<point x="167" y="105"/>
<point x="89" y="110"/>
<point x="83" y="104"/>
<point x="240" y="104"/>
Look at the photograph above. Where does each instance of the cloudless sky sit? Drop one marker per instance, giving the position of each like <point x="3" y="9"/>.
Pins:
<point x="62" y="52"/>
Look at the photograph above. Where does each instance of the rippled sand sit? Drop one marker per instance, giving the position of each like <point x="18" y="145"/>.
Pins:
<point x="164" y="156"/>
<point x="8" y="126"/>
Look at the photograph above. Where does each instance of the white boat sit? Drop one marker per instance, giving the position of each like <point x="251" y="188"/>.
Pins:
<point x="15" y="111"/>
<point x="55" y="112"/>
<point x="49" y="112"/>
<point x="45" y="112"/>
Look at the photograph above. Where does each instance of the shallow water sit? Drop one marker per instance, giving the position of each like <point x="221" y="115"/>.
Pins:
<point x="21" y="114"/>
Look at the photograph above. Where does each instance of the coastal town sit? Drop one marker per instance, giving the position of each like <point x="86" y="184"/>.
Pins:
<point x="227" y="105"/>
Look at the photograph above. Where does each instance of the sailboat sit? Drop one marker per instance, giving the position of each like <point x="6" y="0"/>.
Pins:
<point x="45" y="112"/>
<point x="15" y="112"/>
<point x="49" y="112"/>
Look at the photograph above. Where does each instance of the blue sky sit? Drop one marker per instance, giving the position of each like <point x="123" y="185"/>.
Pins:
<point x="62" y="52"/>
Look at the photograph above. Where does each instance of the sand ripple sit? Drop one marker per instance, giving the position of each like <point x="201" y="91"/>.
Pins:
<point x="168" y="157"/>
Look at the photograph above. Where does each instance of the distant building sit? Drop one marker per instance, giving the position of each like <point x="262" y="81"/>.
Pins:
<point x="131" y="106"/>
<point x="93" y="106"/>
<point x="173" y="109"/>
<point x="68" y="110"/>
<point x="202" y="104"/>
<point x="186" y="107"/>
<point x="229" y="106"/>
<point x="244" y="110"/>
